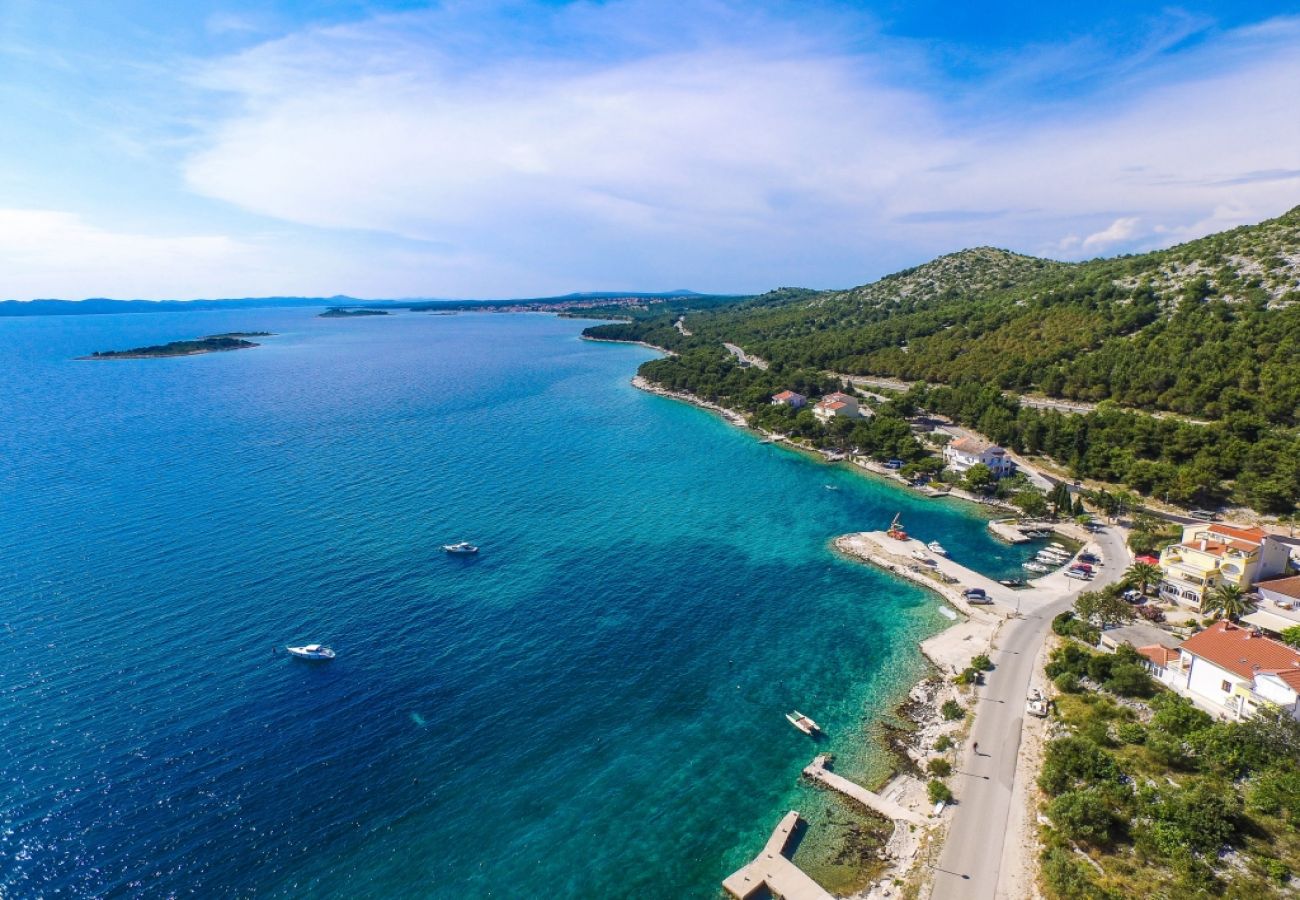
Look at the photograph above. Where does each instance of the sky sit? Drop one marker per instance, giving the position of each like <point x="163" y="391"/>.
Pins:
<point x="504" y="149"/>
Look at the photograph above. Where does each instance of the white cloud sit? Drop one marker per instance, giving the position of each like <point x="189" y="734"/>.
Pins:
<point x="724" y="166"/>
<point x="1118" y="231"/>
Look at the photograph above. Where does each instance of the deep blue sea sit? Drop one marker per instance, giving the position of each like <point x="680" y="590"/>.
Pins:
<point x="592" y="707"/>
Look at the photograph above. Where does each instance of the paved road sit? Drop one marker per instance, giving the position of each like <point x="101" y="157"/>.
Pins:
<point x="744" y="357"/>
<point x="970" y="863"/>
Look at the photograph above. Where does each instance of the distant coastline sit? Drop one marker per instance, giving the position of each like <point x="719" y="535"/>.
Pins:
<point x="339" y="312"/>
<point x="215" y="343"/>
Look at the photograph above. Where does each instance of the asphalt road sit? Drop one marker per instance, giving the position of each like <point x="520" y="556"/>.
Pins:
<point x="970" y="862"/>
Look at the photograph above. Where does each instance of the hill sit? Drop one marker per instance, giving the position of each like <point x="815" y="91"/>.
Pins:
<point x="1208" y="329"/>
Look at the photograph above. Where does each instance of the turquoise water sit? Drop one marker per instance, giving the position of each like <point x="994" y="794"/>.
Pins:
<point x="592" y="707"/>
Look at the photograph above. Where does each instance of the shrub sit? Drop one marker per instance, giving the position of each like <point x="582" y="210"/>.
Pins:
<point x="969" y="675"/>
<point x="1200" y="817"/>
<point x="1233" y="748"/>
<point x="1067" y="683"/>
<point x="1276" y="792"/>
<point x="938" y="791"/>
<point x="982" y="663"/>
<point x="1278" y="872"/>
<point x="1070" y="658"/>
<point x="952" y="710"/>
<point x="940" y="768"/>
<point x="1075" y="761"/>
<point x="1129" y="680"/>
<point x="1084" y="816"/>
<point x="1068" y="876"/>
<point x="1099" y="667"/>
<point x="1177" y="716"/>
<point x="943" y="743"/>
<point x="1131" y="733"/>
<point x="1063" y="623"/>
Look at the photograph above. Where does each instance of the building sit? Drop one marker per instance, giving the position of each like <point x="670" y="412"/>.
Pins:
<point x="1165" y="665"/>
<point x="1137" y="635"/>
<point x="790" y="399"/>
<point x="836" y="405"/>
<point x="1234" y="671"/>
<point x="1210" y="555"/>
<point x="964" y="452"/>
<point x="1279" y="605"/>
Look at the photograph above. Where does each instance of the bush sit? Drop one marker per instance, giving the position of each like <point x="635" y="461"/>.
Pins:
<point x="952" y="710"/>
<point x="1099" y="667"/>
<point x="1177" y="716"/>
<point x="1232" y="748"/>
<point x="1276" y="792"/>
<point x="1067" y="683"/>
<point x="1063" y="623"/>
<point x="1070" y="658"/>
<point x="940" y="768"/>
<point x="938" y="791"/>
<point x="1200" y="817"/>
<point x="1129" y="680"/>
<point x="1131" y="733"/>
<point x="1068" y="876"/>
<point x="968" y="675"/>
<point x="1084" y="816"/>
<point x="1075" y="762"/>
<point x="982" y="663"/>
<point x="1278" y="872"/>
<point x="943" y="743"/>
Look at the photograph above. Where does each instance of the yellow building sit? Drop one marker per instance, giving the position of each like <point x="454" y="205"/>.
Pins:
<point x="1210" y="555"/>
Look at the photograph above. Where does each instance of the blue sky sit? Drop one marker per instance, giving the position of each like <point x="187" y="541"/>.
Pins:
<point x="473" y="149"/>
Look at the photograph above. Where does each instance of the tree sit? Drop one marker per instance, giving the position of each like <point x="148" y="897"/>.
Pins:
<point x="1031" y="502"/>
<point x="1060" y="499"/>
<point x="938" y="791"/>
<point x="1226" y="601"/>
<point x="1142" y="576"/>
<point x="1084" y="816"/>
<point x="978" y="478"/>
<point x="1292" y="636"/>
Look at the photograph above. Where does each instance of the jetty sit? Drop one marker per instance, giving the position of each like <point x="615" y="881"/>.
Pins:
<point x="772" y="873"/>
<point x="817" y="771"/>
<point x="1008" y="530"/>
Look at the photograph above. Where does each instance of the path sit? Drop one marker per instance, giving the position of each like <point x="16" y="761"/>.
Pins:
<point x="971" y="860"/>
<point x="745" y="359"/>
<point x="680" y="325"/>
<point x="817" y="771"/>
<point x="772" y="873"/>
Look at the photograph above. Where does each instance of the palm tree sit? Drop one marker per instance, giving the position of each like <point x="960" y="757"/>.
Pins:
<point x="1142" y="576"/>
<point x="1228" y="600"/>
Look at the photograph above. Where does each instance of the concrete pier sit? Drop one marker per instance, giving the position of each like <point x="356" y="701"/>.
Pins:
<point x="817" y="771"/>
<point x="772" y="873"/>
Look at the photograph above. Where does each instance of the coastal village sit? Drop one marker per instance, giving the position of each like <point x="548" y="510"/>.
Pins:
<point x="1211" y="615"/>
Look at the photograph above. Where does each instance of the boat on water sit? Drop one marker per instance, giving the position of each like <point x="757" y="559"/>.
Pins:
<point x="1012" y="582"/>
<point x="1055" y="546"/>
<point x="1044" y="556"/>
<point x="311" y="651"/>
<point x="937" y="548"/>
<point x="1034" y="567"/>
<point x="462" y="548"/>
<point x="802" y="722"/>
<point x="766" y="441"/>
<point x="831" y="487"/>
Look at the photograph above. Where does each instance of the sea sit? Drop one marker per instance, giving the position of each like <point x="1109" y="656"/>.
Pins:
<point x="593" y="706"/>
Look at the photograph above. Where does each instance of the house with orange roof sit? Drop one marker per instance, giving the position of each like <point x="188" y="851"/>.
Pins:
<point x="837" y="405"/>
<point x="1213" y="554"/>
<point x="1235" y="671"/>
<point x="963" y="452"/>
<point x="792" y="399"/>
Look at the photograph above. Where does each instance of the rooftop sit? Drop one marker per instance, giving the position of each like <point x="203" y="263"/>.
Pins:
<point x="970" y="444"/>
<point x="1245" y="653"/>
<point x="1140" y="635"/>
<point x="1161" y="656"/>
<point x="1287" y="587"/>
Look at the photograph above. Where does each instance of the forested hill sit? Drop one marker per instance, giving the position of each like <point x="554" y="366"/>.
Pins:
<point x="1209" y="329"/>
<point x="1204" y="328"/>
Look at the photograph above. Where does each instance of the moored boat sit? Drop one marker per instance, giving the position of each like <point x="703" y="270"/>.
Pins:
<point x="937" y="548"/>
<point x="311" y="651"/>
<point x="1034" y="567"/>
<point x="802" y="722"/>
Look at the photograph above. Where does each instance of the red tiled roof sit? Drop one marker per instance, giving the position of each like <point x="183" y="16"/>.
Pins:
<point x="1253" y="534"/>
<point x="1241" y="651"/>
<point x="1291" y="677"/>
<point x="1161" y="656"/>
<point x="1288" y="587"/>
<point x="785" y="395"/>
<point x="832" y="404"/>
<point x="969" y="444"/>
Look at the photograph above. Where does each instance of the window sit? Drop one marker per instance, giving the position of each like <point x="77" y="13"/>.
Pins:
<point x="1226" y="687"/>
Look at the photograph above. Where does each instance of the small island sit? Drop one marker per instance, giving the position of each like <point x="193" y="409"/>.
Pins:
<point x="339" y="312"/>
<point x="215" y="343"/>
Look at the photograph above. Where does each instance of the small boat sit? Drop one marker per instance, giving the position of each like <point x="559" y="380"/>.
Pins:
<point x="802" y="722"/>
<point x="766" y="441"/>
<point x="461" y="548"/>
<point x="1012" y="582"/>
<point x="1052" y="558"/>
<point x="1055" y="546"/>
<point x="831" y="487"/>
<point x="937" y="548"/>
<point x="920" y="554"/>
<point x="1034" y="567"/>
<point x="311" y="651"/>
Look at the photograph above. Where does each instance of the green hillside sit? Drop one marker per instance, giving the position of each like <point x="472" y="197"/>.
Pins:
<point x="1209" y="329"/>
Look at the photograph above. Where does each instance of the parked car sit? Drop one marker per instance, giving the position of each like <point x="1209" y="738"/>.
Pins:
<point x="1077" y="573"/>
<point x="1135" y="597"/>
<point x="1204" y="514"/>
<point x="1089" y="558"/>
<point x="976" y="597"/>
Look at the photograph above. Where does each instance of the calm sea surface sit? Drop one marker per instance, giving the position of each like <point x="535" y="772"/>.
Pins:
<point x="591" y="708"/>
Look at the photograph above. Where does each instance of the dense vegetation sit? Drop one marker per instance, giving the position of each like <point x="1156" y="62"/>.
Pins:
<point x="212" y="344"/>
<point x="1209" y="329"/>
<point x="1154" y="798"/>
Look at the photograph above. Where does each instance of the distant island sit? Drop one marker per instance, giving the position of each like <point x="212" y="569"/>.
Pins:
<point x="339" y="312"/>
<point x="216" y="343"/>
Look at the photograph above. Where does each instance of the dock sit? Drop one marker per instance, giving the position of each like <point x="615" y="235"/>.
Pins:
<point x="818" y="772"/>
<point x="772" y="872"/>
<point x="1008" y="530"/>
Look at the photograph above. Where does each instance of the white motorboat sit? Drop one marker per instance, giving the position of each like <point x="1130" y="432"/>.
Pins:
<point x="802" y="722"/>
<point x="1055" y="546"/>
<point x="462" y="548"/>
<point x="937" y="548"/>
<point x="1058" y="558"/>
<point x="1034" y="567"/>
<point x="311" y="651"/>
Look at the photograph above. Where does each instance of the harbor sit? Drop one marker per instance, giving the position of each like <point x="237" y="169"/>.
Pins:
<point x="772" y="873"/>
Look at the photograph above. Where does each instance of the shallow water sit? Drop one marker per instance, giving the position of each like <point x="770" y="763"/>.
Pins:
<point x="591" y="707"/>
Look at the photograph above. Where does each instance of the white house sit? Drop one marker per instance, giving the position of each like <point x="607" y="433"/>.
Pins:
<point x="789" y="398"/>
<point x="1164" y="664"/>
<point x="1234" y="671"/>
<point x="836" y="405"/>
<point x="964" y="452"/>
<point x="1279" y="605"/>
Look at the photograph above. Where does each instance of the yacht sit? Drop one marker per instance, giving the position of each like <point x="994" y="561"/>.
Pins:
<point x="311" y="651"/>
<point x="937" y="548"/>
<point x="462" y="547"/>
<point x="802" y="722"/>
<point x="1034" y="567"/>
